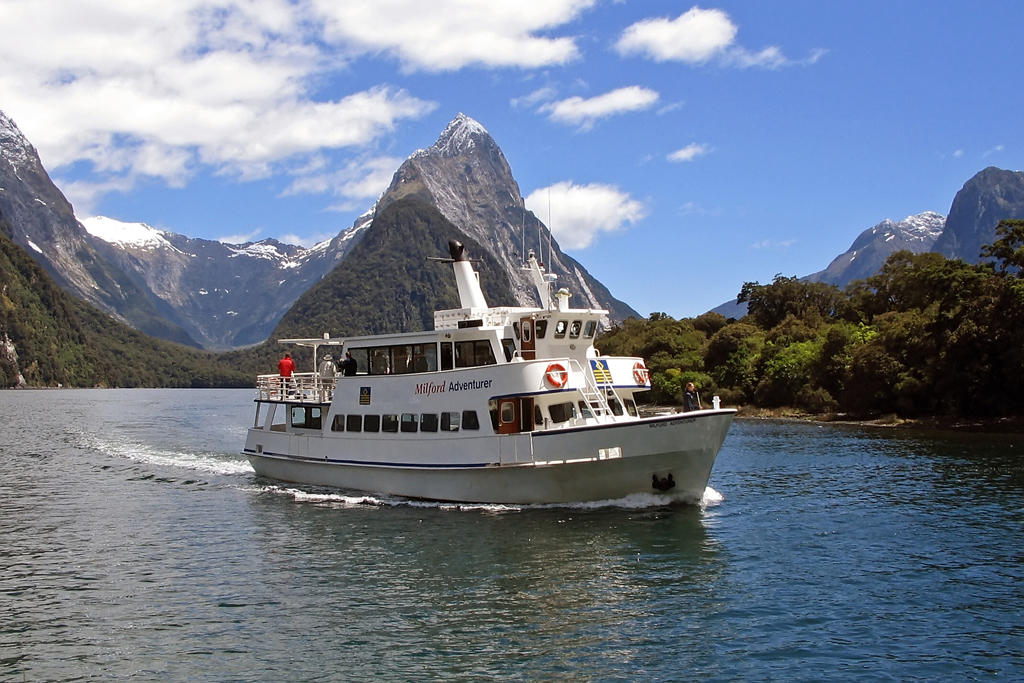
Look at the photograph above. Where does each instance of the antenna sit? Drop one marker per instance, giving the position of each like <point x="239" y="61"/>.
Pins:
<point x="541" y="237"/>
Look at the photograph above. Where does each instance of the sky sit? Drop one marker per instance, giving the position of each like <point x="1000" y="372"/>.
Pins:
<point x="683" y="150"/>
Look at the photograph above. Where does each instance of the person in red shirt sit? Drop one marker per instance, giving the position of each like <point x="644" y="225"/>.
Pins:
<point x="285" y="368"/>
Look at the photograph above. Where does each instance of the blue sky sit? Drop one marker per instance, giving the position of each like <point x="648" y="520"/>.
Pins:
<point x="687" y="149"/>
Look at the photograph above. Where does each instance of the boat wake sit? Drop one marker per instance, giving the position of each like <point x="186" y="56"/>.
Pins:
<point x="340" y="499"/>
<point x="198" y="461"/>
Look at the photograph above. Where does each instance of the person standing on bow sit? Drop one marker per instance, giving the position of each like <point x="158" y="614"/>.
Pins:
<point x="691" y="399"/>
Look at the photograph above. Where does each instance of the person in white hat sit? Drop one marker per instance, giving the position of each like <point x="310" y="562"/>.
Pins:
<point x="327" y="369"/>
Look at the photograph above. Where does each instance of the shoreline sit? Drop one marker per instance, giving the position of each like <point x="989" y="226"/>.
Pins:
<point x="987" y="425"/>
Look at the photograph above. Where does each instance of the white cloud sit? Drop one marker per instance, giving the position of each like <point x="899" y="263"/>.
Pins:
<point x="443" y="35"/>
<point x="694" y="36"/>
<point x="149" y="88"/>
<point x="689" y="153"/>
<point x="586" y="112"/>
<point x="307" y="242"/>
<point x="698" y="36"/>
<point x="773" y="245"/>
<point x="579" y="213"/>
<point x="358" y="181"/>
<point x="997" y="148"/>
<point x="241" y="239"/>
<point x="548" y="92"/>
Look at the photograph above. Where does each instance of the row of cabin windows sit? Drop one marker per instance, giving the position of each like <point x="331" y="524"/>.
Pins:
<point x="410" y="358"/>
<point x="561" y="328"/>
<point x="311" y="417"/>
<point x="409" y="423"/>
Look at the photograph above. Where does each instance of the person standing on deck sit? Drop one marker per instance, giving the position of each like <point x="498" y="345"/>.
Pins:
<point x="327" y="368"/>
<point x="349" y="365"/>
<point x="691" y="399"/>
<point x="285" y="368"/>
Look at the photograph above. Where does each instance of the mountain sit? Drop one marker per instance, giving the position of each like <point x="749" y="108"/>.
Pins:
<point x="466" y="177"/>
<point x="41" y="220"/>
<point x="50" y="338"/>
<point x="867" y="253"/>
<point x="388" y="284"/>
<point x="224" y="295"/>
<point x="228" y="296"/>
<point x="990" y="196"/>
<point x="873" y="246"/>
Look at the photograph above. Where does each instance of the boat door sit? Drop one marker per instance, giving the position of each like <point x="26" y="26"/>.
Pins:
<point x="529" y="345"/>
<point x="508" y="416"/>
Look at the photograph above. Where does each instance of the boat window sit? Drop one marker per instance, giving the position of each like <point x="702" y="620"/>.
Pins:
<point x="470" y="420"/>
<point x="401" y="359"/>
<point x="574" y="329"/>
<point x="389" y="423"/>
<point x="590" y="329"/>
<point x="380" y="361"/>
<point x="562" y="412"/>
<point x="616" y="407"/>
<point x="450" y="422"/>
<point x="410" y="422"/>
<point x="361" y="358"/>
<point x="631" y="407"/>
<point x="515" y="329"/>
<point x="585" y="409"/>
<point x="354" y="423"/>
<point x="509" y="346"/>
<point x="338" y="424"/>
<point x="560" y="328"/>
<point x="470" y="354"/>
<point x="428" y="422"/>
<point x="424" y="358"/>
<point x="527" y="331"/>
<point x="447" y="359"/>
<point x="508" y="412"/>
<point x="538" y="417"/>
<point x="541" y="327"/>
<point x="307" y="417"/>
<point x="371" y="423"/>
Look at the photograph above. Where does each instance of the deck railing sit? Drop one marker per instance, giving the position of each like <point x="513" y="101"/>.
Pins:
<point x="301" y="387"/>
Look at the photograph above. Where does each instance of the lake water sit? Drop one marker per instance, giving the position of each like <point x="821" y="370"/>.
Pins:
<point x="136" y="543"/>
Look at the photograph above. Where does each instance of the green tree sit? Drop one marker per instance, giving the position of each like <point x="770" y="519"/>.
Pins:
<point x="769" y="305"/>
<point x="1008" y="249"/>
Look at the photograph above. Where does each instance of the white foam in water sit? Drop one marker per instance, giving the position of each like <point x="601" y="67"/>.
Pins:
<point x="213" y="463"/>
<point x="637" y="501"/>
<point x="711" y="497"/>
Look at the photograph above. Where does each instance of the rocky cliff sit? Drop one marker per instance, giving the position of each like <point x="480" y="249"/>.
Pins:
<point x="990" y="196"/>
<point x="465" y="175"/>
<point x="42" y="221"/>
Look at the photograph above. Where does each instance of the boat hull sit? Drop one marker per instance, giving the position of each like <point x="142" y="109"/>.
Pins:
<point x="599" y="462"/>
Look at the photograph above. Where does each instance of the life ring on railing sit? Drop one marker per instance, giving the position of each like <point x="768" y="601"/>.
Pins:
<point x="641" y="374"/>
<point x="556" y="375"/>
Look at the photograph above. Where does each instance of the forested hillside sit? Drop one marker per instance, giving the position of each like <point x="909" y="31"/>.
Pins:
<point x="927" y="335"/>
<point x="49" y="338"/>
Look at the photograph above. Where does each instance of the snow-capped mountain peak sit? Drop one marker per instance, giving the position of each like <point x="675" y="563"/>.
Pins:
<point x="126" y="235"/>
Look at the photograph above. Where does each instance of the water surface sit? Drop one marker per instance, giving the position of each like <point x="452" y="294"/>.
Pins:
<point x="136" y="543"/>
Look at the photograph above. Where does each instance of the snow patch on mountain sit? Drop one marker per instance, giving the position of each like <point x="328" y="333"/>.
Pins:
<point x="14" y="147"/>
<point x="458" y="138"/>
<point x="126" y="235"/>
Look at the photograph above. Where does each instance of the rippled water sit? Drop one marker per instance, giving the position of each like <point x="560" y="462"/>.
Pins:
<point x="135" y="543"/>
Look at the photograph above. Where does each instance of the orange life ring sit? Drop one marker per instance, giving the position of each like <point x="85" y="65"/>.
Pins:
<point x="641" y="374"/>
<point x="556" y="375"/>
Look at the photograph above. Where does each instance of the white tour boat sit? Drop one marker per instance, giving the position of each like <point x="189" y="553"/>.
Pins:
<point x="495" y="405"/>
